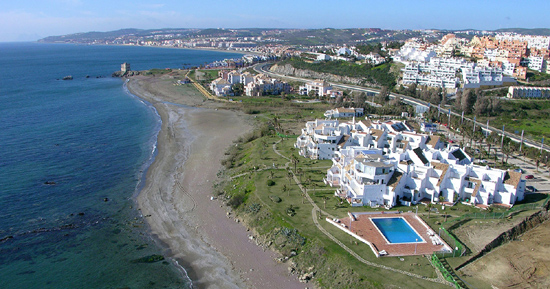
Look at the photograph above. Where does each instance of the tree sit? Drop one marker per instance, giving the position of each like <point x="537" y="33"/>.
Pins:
<point x="396" y="101"/>
<point x="360" y="99"/>
<point x="383" y="95"/>
<point x="507" y="150"/>
<point x="435" y="96"/>
<point x="467" y="101"/>
<point x="289" y="176"/>
<point x="481" y="106"/>
<point x="458" y="100"/>
<point x="238" y="88"/>
<point x="285" y="189"/>
<point x="295" y="161"/>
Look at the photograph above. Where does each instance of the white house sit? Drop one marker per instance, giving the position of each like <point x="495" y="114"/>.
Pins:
<point x="220" y="87"/>
<point x="318" y="87"/>
<point x="344" y="112"/>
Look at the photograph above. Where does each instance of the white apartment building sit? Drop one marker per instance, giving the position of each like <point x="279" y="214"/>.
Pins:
<point x="537" y="63"/>
<point x="528" y="92"/>
<point x="318" y="87"/>
<point x="366" y="177"/>
<point x="220" y="87"/>
<point x="533" y="41"/>
<point x="484" y="76"/>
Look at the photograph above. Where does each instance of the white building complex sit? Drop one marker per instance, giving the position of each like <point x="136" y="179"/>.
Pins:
<point x="533" y="41"/>
<point x="528" y="92"/>
<point x="386" y="163"/>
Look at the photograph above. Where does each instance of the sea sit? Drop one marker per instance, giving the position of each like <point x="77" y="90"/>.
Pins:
<point x="73" y="157"/>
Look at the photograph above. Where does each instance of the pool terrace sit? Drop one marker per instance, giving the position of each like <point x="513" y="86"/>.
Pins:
<point x="364" y="230"/>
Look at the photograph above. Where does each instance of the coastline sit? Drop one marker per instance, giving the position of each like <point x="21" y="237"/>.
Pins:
<point x="215" y="250"/>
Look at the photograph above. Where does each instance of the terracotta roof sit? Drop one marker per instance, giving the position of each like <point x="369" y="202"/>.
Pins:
<point x="441" y="167"/>
<point x="343" y="140"/>
<point x="395" y="178"/>
<point x="432" y="140"/>
<point x="343" y="109"/>
<point x="376" y="132"/>
<point x="512" y="178"/>
<point x="478" y="185"/>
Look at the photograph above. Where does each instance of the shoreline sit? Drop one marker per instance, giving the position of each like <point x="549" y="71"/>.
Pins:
<point x="214" y="249"/>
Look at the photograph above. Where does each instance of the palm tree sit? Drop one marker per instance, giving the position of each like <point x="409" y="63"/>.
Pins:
<point x="507" y="150"/>
<point x="300" y="172"/>
<point x="289" y="176"/>
<point x="285" y="189"/>
<point x="295" y="161"/>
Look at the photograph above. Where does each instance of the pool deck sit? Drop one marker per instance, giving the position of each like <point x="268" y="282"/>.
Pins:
<point x="363" y="229"/>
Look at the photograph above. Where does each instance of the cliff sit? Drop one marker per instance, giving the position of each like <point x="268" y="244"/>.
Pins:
<point x="288" y="69"/>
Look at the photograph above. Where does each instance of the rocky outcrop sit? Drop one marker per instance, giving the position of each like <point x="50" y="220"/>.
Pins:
<point x="289" y="70"/>
<point x="125" y="74"/>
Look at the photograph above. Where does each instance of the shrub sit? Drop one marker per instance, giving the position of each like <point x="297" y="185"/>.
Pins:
<point x="236" y="201"/>
<point x="270" y="183"/>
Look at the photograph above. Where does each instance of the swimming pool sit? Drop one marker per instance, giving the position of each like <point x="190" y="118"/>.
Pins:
<point x="397" y="230"/>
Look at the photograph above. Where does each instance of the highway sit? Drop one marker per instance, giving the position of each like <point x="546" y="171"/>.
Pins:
<point x="260" y="68"/>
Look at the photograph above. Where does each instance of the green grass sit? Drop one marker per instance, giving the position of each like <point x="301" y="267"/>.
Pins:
<point x="530" y="115"/>
<point x="272" y="216"/>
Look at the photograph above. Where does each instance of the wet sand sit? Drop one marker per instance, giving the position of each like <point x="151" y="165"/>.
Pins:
<point x="213" y="248"/>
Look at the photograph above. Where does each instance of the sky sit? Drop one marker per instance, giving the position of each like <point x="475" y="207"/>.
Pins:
<point x="29" y="20"/>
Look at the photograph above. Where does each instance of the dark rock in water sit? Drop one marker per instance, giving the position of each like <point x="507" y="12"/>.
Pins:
<point x="87" y="76"/>
<point x="149" y="259"/>
<point x="51" y="183"/>
<point x="106" y="199"/>
<point x="26" y="272"/>
<point x="5" y="239"/>
<point x="68" y="77"/>
<point x="81" y="214"/>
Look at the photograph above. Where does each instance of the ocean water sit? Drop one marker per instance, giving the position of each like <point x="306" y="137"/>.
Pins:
<point x="73" y="154"/>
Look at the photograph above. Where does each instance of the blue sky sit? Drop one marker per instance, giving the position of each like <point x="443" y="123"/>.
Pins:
<point x="24" y="20"/>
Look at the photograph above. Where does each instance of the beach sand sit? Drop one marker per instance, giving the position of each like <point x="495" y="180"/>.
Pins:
<point x="213" y="248"/>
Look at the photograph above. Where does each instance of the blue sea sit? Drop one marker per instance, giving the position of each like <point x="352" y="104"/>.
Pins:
<point x="73" y="156"/>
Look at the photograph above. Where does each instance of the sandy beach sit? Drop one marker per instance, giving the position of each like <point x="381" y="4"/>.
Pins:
<point x="213" y="248"/>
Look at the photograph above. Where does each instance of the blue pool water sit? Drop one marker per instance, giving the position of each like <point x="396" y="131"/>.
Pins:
<point x="396" y="230"/>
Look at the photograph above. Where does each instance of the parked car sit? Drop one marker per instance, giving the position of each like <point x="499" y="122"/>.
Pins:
<point x="528" y="177"/>
<point x="519" y="171"/>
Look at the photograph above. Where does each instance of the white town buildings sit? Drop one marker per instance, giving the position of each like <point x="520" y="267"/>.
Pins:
<point x="385" y="163"/>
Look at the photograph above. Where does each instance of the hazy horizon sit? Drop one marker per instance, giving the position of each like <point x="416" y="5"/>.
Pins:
<point x="27" y="20"/>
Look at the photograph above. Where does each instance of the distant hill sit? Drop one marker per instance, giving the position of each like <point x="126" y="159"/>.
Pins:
<point x="110" y="35"/>
<point x="530" y="31"/>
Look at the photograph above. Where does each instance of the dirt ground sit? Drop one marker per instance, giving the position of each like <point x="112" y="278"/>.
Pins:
<point x="476" y="234"/>
<point x="524" y="263"/>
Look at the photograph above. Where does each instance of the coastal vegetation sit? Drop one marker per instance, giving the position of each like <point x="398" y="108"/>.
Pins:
<point x="379" y="75"/>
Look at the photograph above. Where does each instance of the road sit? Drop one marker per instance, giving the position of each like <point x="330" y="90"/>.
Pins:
<point x="260" y="68"/>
